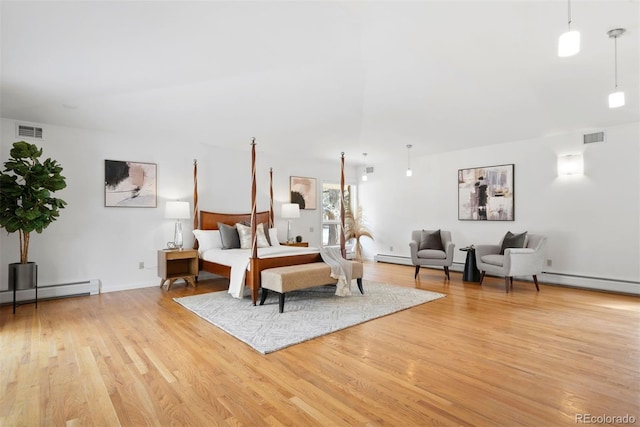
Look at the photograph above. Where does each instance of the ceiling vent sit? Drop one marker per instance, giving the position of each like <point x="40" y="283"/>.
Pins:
<point x="28" y="131"/>
<point x="590" y="138"/>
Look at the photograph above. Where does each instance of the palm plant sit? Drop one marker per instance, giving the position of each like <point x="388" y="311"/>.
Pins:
<point x="355" y="228"/>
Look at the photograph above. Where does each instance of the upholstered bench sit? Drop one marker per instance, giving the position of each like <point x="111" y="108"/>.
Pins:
<point x="302" y="276"/>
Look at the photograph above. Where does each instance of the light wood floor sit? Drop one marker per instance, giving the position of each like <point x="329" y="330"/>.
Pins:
<point x="477" y="357"/>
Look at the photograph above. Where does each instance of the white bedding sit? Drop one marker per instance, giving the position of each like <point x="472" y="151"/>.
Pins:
<point x="238" y="260"/>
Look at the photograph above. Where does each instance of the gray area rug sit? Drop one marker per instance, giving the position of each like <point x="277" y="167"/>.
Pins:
<point x="307" y="314"/>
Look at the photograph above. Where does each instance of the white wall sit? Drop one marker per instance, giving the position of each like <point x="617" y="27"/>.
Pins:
<point x="592" y="222"/>
<point x="90" y="241"/>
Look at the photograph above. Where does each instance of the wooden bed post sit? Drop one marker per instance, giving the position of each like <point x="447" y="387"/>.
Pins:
<point x="271" y="221"/>
<point x="196" y="218"/>
<point x="343" y="250"/>
<point x="254" y="273"/>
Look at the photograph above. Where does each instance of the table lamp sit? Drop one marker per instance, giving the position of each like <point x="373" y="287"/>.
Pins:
<point x="178" y="211"/>
<point x="289" y="212"/>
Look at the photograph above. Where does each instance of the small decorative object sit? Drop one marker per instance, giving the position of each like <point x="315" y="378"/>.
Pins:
<point x="486" y="193"/>
<point x="171" y="245"/>
<point x="299" y="239"/>
<point x="129" y="184"/>
<point x="303" y="192"/>
<point x="27" y="204"/>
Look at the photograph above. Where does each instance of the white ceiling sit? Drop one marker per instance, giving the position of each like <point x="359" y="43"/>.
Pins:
<point x="316" y="78"/>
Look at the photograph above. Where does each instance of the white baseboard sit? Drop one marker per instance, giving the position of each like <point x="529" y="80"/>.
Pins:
<point x="548" y="278"/>
<point x="203" y="275"/>
<point x="88" y="287"/>
<point x="129" y="286"/>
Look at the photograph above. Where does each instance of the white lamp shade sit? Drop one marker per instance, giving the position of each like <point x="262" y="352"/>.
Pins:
<point x="569" y="44"/>
<point x="177" y="210"/>
<point x="364" y="176"/>
<point x="570" y="165"/>
<point x="290" y="210"/>
<point x="409" y="172"/>
<point x="616" y="99"/>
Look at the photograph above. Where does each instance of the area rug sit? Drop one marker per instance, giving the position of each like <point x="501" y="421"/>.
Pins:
<point x="307" y="314"/>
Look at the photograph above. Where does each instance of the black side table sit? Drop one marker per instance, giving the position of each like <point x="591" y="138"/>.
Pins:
<point x="471" y="273"/>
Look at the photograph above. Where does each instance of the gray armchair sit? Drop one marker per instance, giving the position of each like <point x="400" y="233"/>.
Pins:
<point x="514" y="261"/>
<point x="431" y="248"/>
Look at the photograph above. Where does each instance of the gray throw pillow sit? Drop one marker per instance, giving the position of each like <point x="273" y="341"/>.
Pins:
<point x="513" y="241"/>
<point x="431" y="240"/>
<point x="229" y="236"/>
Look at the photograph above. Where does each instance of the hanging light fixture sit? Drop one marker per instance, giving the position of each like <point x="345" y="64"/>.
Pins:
<point x="364" y="172"/>
<point x="569" y="42"/>
<point x="616" y="98"/>
<point x="409" y="173"/>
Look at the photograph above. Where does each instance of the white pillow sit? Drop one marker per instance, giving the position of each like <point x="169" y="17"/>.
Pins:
<point x="208" y="239"/>
<point x="244" y="232"/>
<point x="273" y="236"/>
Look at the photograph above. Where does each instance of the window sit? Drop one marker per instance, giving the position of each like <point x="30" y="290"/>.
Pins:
<point x="331" y="212"/>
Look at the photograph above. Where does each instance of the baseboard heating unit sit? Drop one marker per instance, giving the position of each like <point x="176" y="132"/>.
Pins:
<point x="547" y="277"/>
<point x="405" y="260"/>
<point x="84" y="288"/>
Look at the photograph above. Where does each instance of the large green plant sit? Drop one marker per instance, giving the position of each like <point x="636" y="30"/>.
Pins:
<point x="26" y="185"/>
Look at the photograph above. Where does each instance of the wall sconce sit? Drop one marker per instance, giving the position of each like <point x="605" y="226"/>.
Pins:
<point x="570" y="165"/>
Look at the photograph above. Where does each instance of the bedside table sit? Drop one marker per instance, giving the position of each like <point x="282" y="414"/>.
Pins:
<point x="177" y="264"/>
<point x="298" y="244"/>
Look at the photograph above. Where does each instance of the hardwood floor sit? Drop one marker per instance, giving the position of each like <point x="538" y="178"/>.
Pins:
<point x="477" y="357"/>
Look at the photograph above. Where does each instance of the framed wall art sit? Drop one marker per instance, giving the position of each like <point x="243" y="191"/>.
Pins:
<point x="130" y="184"/>
<point x="303" y="192"/>
<point x="486" y="193"/>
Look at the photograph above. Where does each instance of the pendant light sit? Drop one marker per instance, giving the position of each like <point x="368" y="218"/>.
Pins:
<point x="616" y="98"/>
<point x="569" y="42"/>
<point x="409" y="173"/>
<point x="364" y="172"/>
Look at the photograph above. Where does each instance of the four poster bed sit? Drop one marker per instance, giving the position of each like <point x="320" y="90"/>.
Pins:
<point x="243" y="266"/>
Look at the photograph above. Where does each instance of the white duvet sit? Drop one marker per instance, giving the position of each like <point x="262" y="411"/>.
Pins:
<point x="238" y="260"/>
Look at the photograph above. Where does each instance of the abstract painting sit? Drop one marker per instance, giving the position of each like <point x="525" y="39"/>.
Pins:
<point x="486" y="193"/>
<point x="303" y="192"/>
<point x="129" y="184"/>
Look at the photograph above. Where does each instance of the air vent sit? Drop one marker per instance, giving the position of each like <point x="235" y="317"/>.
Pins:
<point x="370" y="169"/>
<point x="590" y="138"/>
<point x="27" y="131"/>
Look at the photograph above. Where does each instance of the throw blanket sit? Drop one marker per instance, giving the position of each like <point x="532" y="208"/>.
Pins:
<point x="340" y="269"/>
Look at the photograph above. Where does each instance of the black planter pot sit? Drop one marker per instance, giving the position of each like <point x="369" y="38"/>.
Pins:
<point x="23" y="276"/>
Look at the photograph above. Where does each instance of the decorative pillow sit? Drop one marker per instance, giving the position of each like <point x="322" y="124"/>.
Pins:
<point x="229" y="236"/>
<point x="244" y="232"/>
<point x="431" y="240"/>
<point x="273" y="237"/>
<point x="513" y="241"/>
<point x="266" y="234"/>
<point x="208" y="239"/>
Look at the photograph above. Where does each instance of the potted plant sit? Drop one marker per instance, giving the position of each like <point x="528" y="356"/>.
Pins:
<point x="27" y="205"/>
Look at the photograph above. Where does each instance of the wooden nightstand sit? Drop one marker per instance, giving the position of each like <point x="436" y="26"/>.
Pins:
<point x="177" y="264"/>
<point x="299" y="244"/>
